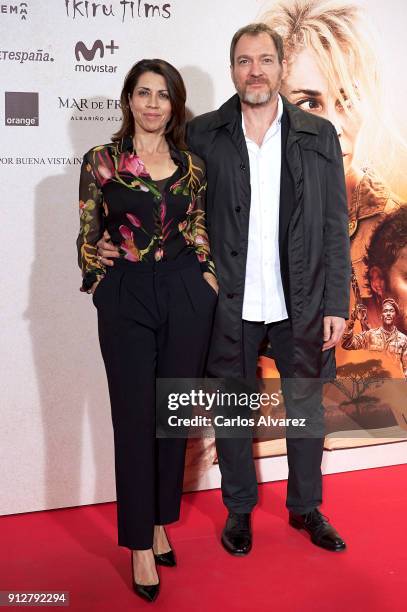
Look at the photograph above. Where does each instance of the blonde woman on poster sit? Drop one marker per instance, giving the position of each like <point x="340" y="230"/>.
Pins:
<point x="332" y="73"/>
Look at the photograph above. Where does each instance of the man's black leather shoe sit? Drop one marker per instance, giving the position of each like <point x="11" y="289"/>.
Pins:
<point x="321" y="532"/>
<point x="237" y="534"/>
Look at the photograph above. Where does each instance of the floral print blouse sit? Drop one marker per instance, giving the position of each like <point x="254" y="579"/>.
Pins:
<point x="146" y="223"/>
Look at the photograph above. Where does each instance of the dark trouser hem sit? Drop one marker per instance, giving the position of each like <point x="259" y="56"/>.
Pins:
<point x="134" y="547"/>
<point x="239" y="482"/>
<point x="302" y="509"/>
<point x="241" y="509"/>
<point x="143" y="545"/>
<point x="167" y="520"/>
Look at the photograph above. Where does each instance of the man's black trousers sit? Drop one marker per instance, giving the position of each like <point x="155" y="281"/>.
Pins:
<point x="235" y="456"/>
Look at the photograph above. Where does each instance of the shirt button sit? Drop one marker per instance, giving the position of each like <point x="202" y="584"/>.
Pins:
<point x="230" y="295"/>
<point x="242" y="166"/>
<point x="238" y="208"/>
<point x="233" y="253"/>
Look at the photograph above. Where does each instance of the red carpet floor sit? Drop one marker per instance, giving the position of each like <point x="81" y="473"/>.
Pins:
<point x="75" y="550"/>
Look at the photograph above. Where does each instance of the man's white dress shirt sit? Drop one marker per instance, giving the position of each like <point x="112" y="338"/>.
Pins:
<point x="263" y="295"/>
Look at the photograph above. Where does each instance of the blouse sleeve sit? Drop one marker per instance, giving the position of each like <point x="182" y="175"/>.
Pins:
<point x="198" y="230"/>
<point x="91" y="225"/>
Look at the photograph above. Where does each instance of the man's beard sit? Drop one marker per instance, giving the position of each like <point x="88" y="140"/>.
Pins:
<point x="257" y="98"/>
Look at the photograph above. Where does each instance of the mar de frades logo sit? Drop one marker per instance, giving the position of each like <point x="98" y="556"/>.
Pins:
<point x="21" y="108"/>
<point x="91" y="109"/>
<point x="123" y="9"/>
<point x="19" y="9"/>
<point x="96" y="51"/>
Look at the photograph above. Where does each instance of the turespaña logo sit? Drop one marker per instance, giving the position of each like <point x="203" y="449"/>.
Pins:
<point x="20" y="9"/>
<point x="21" y="108"/>
<point x="26" y="56"/>
<point x="124" y="9"/>
<point x="88" y="53"/>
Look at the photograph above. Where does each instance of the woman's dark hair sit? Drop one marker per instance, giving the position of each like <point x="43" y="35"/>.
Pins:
<point x="175" y="130"/>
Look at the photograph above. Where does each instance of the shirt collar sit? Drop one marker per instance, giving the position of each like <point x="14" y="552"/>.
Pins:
<point x="179" y="157"/>
<point x="276" y="123"/>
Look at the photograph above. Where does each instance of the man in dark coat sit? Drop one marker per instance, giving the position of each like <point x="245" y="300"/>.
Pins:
<point x="313" y="253"/>
<point x="278" y="228"/>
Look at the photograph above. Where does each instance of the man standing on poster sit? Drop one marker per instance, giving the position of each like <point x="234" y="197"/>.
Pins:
<point x="384" y="338"/>
<point x="278" y="227"/>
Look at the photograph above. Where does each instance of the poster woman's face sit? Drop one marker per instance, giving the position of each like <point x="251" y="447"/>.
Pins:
<point x="306" y="87"/>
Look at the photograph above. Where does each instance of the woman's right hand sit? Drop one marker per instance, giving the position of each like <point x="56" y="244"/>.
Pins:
<point x="107" y="250"/>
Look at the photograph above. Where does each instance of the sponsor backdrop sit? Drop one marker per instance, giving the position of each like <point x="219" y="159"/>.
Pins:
<point x="62" y="64"/>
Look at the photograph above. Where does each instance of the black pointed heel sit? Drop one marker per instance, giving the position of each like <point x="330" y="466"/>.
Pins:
<point x="166" y="559"/>
<point x="147" y="592"/>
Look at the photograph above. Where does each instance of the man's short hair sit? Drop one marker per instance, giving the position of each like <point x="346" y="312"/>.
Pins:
<point x="254" y="29"/>
<point x="387" y="240"/>
<point x="392" y="303"/>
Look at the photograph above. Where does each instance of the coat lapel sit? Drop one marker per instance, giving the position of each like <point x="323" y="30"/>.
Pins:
<point x="230" y="117"/>
<point x="287" y="195"/>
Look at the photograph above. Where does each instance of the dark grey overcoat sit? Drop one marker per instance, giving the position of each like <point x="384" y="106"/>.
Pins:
<point x="313" y="231"/>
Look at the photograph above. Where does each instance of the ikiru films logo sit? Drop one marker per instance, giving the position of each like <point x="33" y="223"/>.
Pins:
<point x="124" y="9"/>
<point x="21" y="108"/>
<point x="19" y="9"/>
<point x="89" y="54"/>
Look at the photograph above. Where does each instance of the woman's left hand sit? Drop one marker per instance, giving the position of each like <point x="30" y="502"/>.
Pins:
<point x="211" y="279"/>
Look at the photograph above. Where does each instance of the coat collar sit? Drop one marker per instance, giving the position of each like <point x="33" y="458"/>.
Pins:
<point x="231" y="111"/>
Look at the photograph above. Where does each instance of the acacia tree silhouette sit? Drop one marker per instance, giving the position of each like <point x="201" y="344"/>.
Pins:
<point x="355" y="378"/>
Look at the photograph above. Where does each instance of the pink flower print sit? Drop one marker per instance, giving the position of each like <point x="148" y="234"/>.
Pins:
<point x="175" y="185"/>
<point x="82" y="207"/>
<point x="191" y="207"/>
<point x="201" y="257"/>
<point x="105" y="174"/>
<point x="159" y="254"/>
<point x="200" y="240"/>
<point x="165" y="226"/>
<point x="126" y="232"/>
<point x="163" y="211"/>
<point x="166" y="230"/>
<point x="104" y="168"/>
<point x="133" y="165"/>
<point x="133" y="220"/>
<point x="132" y="252"/>
<point x="182" y="226"/>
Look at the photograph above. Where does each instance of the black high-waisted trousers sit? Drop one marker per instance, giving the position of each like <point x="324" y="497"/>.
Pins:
<point x="154" y="320"/>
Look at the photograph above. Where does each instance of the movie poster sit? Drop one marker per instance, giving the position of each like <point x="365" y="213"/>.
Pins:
<point x="340" y="67"/>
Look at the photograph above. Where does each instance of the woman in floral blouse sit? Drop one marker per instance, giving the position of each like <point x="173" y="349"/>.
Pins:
<point x="155" y="306"/>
